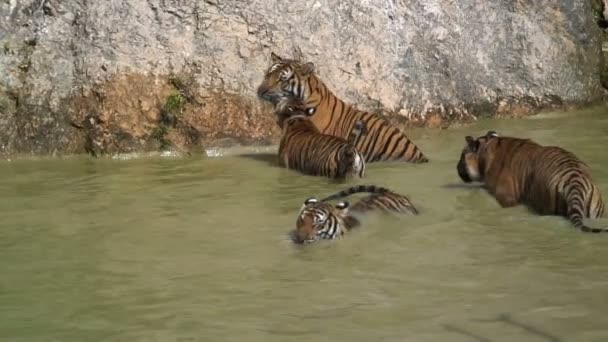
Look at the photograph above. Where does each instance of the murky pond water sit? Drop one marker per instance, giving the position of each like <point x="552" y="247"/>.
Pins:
<point x="195" y="249"/>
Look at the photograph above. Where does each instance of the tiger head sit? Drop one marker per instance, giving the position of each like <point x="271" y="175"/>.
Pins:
<point x="290" y="110"/>
<point x="284" y="79"/>
<point x="470" y="168"/>
<point x="321" y="220"/>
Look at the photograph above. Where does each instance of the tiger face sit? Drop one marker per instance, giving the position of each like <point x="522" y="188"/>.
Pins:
<point x="321" y="220"/>
<point x="288" y="111"/>
<point x="468" y="166"/>
<point x="283" y="79"/>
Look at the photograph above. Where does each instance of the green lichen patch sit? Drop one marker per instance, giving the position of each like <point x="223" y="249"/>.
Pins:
<point x="174" y="104"/>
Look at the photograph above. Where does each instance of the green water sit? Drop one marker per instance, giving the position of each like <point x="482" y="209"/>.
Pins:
<point x="195" y="249"/>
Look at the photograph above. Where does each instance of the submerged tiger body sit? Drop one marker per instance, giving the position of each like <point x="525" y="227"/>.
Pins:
<point x="548" y="179"/>
<point x="319" y="219"/>
<point x="305" y="149"/>
<point x="287" y="78"/>
<point x="379" y="198"/>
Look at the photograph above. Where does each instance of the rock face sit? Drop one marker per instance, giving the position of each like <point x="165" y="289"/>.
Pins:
<point x="118" y="76"/>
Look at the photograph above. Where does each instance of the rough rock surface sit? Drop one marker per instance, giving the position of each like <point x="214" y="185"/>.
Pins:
<point x="118" y="76"/>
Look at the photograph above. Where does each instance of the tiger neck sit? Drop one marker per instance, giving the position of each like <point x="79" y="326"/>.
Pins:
<point x="303" y="126"/>
<point x="492" y="167"/>
<point x="318" y="93"/>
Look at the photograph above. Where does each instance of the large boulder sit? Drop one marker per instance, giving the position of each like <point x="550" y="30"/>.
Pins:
<point x="117" y="76"/>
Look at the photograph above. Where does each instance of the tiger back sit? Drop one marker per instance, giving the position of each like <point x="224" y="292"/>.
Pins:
<point x="289" y="78"/>
<point x="548" y="179"/>
<point x="378" y="199"/>
<point x="305" y="149"/>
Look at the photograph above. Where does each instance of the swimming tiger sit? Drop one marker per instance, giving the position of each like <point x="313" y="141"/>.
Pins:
<point x="319" y="219"/>
<point x="292" y="78"/>
<point x="305" y="149"/>
<point x="549" y="179"/>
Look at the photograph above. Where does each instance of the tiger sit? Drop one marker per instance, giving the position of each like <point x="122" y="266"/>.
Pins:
<point x="305" y="149"/>
<point x="548" y="179"/>
<point x="292" y="78"/>
<point x="319" y="219"/>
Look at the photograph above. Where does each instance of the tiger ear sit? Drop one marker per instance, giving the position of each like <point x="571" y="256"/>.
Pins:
<point x="307" y="68"/>
<point x="275" y="58"/>
<point x="311" y="200"/>
<point x="343" y="207"/>
<point x="491" y="134"/>
<point x="469" y="139"/>
<point x="308" y="201"/>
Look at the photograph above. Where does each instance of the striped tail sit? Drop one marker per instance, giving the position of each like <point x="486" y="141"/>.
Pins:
<point x="576" y="210"/>
<point x="356" y="189"/>
<point x="577" y="220"/>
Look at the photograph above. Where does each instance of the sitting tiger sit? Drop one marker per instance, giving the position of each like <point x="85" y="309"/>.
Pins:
<point x="288" y="78"/>
<point x="319" y="219"/>
<point x="549" y="179"/>
<point x="305" y="149"/>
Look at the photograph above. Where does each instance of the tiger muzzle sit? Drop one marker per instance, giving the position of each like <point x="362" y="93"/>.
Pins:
<point x="300" y="239"/>
<point x="295" y="238"/>
<point x="263" y="93"/>
<point x="462" y="171"/>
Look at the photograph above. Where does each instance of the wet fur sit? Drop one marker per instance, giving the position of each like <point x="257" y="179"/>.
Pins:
<point x="322" y="220"/>
<point x="305" y="149"/>
<point x="291" y="78"/>
<point x="548" y="179"/>
<point x="319" y="219"/>
<point x="378" y="199"/>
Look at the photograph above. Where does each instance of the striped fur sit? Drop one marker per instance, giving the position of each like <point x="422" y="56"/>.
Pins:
<point x="322" y="220"/>
<point x="548" y="179"/>
<point x="319" y="219"/>
<point x="305" y="149"/>
<point x="378" y="199"/>
<point x="288" y="78"/>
